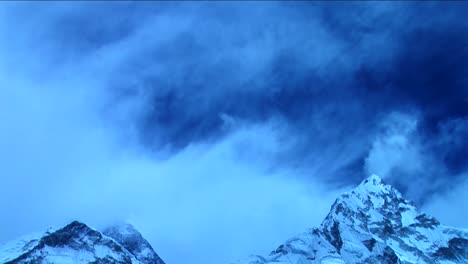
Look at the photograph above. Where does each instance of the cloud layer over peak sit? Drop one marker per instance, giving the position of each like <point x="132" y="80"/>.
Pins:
<point x="195" y="119"/>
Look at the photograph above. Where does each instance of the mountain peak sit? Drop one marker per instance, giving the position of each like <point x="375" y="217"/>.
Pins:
<point x="373" y="179"/>
<point x="126" y="235"/>
<point x="373" y="223"/>
<point x="371" y="202"/>
<point x="373" y="185"/>
<point x="79" y="243"/>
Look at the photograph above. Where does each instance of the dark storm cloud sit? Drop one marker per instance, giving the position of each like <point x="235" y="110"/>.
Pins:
<point x="330" y="71"/>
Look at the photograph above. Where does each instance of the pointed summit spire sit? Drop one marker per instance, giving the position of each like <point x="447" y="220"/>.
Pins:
<point x="373" y="191"/>
<point x="373" y="223"/>
<point x="373" y="183"/>
<point x="373" y="179"/>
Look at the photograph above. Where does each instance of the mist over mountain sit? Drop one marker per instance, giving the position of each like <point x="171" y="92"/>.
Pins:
<point x="240" y="122"/>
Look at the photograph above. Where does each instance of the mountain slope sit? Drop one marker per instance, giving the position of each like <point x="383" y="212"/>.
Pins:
<point x="373" y="224"/>
<point x="127" y="236"/>
<point x="78" y="243"/>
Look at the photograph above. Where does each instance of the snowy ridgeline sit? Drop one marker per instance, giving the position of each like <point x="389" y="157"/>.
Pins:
<point x="78" y="243"/>
<point x="371" y="224"/>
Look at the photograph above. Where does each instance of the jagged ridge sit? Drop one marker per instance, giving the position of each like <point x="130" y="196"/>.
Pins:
<point x="373" y="224"/>
<point x="78" y="243"/>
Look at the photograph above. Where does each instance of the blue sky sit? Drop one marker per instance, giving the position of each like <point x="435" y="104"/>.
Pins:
<point x="227" y="127"/>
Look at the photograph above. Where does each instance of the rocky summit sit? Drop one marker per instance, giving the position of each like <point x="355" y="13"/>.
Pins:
<point x="78" y="243"/>
<point x="373" y="224"/>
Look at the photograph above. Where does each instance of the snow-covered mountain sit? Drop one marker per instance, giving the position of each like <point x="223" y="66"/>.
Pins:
<point x="78" y="243"/>
<point x="373" y="224"/>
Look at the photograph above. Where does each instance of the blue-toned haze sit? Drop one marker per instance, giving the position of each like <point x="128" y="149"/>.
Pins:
<point x="221" y="129"/>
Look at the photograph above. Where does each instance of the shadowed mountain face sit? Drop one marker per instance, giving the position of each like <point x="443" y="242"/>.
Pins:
<point x="78" y="243"/>
<point x="373" y="224"/>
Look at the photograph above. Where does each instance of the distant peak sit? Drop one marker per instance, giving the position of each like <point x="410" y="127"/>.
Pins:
<point x="373" y="179"/>
<point x="74" y="226"/>
<point x="122" y="228"/>
<point x="126" y="235"/>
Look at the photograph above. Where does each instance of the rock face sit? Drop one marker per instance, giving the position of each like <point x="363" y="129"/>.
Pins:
<point x="78" y="243"/>
<point x="373" y="224"/>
